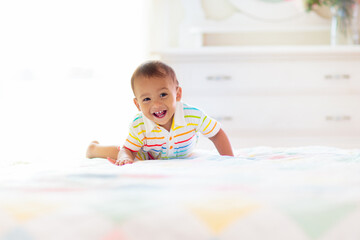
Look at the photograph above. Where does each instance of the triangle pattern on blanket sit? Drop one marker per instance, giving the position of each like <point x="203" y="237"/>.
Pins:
<point x="219" y="214"/>
<point x="25" y="211"/>
<point x="17" y="233"/>
<point x="114" y="235"/>
<point x="120" y="215"/>
<point x="316" y="222"/>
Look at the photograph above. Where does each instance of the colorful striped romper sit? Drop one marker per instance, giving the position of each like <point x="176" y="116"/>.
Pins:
<point x="151" y="141"/>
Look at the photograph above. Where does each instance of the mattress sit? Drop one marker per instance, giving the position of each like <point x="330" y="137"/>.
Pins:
<point x="262" y="193"/>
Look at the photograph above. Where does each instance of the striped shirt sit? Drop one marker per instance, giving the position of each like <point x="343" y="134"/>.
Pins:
<point x="152" y="141"/>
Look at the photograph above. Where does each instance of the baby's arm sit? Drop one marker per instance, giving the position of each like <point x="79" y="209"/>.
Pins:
<point x="222" y="143"/>
<point x="125" y="156"/>
<point x="95" y="150"/>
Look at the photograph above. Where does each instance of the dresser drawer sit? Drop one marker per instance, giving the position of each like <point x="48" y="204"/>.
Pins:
<point x="318" y="115"/>
<point x="269" y="77"/>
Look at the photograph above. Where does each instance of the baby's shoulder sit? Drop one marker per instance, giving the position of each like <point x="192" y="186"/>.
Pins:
<point x="191" y="109"/>
<point x="192" y="114"/>
<point x="137" y="121"/>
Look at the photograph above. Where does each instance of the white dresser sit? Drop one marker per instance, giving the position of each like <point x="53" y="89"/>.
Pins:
<point x="275" y="96"/>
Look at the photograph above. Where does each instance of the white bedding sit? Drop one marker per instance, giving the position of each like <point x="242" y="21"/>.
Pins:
<point x="263" y="193"/>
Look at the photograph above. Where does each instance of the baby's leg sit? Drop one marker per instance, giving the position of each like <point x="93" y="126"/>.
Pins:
<point x="95" y="150"/>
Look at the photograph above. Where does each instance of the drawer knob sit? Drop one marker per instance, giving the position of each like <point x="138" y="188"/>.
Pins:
<point x="337" y="76"/>
<point x="338" y="118"/>
<point x="224" y="118"/>
<point x="218" y="78"/>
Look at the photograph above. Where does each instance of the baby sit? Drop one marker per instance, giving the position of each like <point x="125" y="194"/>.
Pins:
<point x="165" y="128"/>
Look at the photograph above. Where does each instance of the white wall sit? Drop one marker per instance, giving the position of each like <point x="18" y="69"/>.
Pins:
<point x="229" y="25"/>
<point x="64" y="75"/>
<point x="165" y="17"/>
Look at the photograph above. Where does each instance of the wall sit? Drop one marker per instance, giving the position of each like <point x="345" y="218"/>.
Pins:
<point x="223" y="24"/>
<point x="165" y="17"/>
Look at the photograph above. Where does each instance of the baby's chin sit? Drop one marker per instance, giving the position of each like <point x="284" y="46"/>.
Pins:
<point x="164" y="122"/>
<point x="161" y="123"/>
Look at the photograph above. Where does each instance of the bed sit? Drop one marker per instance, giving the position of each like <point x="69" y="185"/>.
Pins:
<point x="262" y="193"/>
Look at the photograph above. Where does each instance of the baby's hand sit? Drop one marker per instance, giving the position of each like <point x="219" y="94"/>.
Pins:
<point x="120" y="162"/>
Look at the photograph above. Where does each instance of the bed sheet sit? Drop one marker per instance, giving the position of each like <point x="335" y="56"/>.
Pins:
<point x="262" y="193"/>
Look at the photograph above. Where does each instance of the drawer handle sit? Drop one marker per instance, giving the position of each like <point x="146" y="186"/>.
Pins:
<point x="218" y="78"/>
<point x="224" y="118"/>
<point x="338" y="118"/>
<point x="337" y="77"/>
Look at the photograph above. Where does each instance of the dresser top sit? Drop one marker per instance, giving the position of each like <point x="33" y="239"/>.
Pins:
<point x="248" y="52"/>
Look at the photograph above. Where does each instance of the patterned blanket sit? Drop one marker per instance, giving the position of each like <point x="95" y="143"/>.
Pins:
<point x="262" y="193"/>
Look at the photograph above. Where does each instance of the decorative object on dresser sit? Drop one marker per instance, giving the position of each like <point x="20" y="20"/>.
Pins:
<point x="345" y="19"/>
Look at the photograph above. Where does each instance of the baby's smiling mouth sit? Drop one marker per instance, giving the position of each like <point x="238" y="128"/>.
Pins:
<point x="160" y="114"/>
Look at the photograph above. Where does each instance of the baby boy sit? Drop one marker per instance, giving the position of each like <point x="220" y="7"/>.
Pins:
<point x="165" y="128"/>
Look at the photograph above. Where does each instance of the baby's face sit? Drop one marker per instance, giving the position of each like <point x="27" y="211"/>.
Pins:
<point x="156" y="98"/>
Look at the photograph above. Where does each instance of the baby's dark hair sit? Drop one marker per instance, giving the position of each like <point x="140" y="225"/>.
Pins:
<point x="153" y="69"/>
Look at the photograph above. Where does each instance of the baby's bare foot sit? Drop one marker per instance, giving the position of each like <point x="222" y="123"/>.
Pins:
<point x="91" y="148"/>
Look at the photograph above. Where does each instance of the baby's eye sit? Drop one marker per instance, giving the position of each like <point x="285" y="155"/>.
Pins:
<point x="163" y="95"/>
<point x="146" y="99"/>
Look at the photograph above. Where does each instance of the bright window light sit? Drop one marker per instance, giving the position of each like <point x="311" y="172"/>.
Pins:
<point x="66" y="72"/>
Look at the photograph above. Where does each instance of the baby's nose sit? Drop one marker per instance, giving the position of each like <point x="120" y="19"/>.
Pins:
<point x="157" y="104"/>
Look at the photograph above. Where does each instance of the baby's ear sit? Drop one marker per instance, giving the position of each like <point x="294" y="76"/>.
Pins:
<point x="178" y="94"/>
<point x="137" y="104"/>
